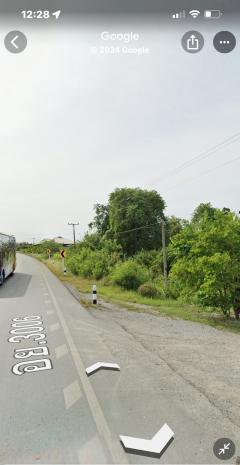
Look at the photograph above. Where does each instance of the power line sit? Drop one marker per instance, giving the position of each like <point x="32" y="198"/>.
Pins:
<point x="203" y="155"/>
<point x="136" y="229"/>
<point x="206" y="172"/>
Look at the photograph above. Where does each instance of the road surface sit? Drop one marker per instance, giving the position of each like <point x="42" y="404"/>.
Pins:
<point x="171" y="371"/>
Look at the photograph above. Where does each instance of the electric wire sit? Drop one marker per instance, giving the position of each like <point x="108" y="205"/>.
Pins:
<point x="202" y="156"/>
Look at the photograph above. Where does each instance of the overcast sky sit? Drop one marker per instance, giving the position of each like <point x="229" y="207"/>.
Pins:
<point x="75" y="125"/>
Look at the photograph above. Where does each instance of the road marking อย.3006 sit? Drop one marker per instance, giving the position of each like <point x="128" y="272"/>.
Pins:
<point x="25" y="328"/>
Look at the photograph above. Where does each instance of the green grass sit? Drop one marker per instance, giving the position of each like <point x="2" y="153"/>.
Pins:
<point x="133" y="301"/>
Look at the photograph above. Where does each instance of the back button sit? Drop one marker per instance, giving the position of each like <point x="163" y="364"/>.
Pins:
<point x="15" y="41"/>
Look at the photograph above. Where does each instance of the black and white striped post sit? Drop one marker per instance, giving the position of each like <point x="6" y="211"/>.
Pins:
<point x="63" y="254"/>
<point x="94" y="294"/>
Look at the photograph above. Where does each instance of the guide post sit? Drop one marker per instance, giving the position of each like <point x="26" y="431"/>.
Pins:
<point x="63" y="255"/>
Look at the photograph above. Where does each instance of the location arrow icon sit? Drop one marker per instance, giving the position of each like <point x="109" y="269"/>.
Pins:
<point x="97" y="366"/>
<point x="56" y="14"/>
<point x="154" y="446"/>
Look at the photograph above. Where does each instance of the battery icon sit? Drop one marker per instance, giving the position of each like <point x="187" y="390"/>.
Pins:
<point x="212" y="14"/>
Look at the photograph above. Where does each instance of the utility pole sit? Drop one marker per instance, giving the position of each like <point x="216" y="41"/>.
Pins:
<point x="74" y="234"/>
<point x="164" y="254"/>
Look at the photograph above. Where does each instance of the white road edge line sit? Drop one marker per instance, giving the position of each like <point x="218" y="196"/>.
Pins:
<point x="115" y="451"/>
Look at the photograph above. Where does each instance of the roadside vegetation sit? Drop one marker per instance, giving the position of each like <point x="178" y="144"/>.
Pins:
<point x="122" y="253"/>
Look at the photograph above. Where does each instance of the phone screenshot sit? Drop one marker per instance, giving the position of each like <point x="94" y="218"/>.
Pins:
<point x="120" y="232"/>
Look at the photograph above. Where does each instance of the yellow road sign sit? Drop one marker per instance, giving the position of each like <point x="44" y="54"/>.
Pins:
<point x="63" y="253"/>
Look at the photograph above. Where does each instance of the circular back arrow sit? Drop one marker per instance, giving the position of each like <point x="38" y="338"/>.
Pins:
<point x="13" y="41"/>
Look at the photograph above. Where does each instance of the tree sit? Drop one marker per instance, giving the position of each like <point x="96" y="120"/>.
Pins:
<point x="204" y="210"/>
<point x="139" y="210"/>
<point x="101" y="219"/>
<point x="206" y="260"/>
<point x="174" y="226"/>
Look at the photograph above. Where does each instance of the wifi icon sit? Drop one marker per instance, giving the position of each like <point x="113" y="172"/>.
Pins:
<point x="194" y="13"/>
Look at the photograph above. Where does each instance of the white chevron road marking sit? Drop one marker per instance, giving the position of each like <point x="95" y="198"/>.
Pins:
<point x="97" y="366"/>
<point x="154" y="445"/>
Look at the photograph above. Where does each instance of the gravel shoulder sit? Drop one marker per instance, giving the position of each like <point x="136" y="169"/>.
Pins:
<point x="204" y="357"/>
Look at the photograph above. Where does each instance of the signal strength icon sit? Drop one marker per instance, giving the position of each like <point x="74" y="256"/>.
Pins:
<point x="180" y="15"/>
<point x="194" y="13"/>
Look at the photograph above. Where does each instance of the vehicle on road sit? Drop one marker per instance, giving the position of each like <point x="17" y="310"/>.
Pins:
<point x="7" y="256"/>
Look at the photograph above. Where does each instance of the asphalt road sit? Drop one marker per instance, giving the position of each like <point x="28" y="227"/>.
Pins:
<point x="174" y="372"/>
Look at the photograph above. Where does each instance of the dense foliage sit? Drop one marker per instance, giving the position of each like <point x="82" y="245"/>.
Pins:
<point x="124" y="246"/>
<point x="132" y="217"/>
<point x="206" y="260"/>
<point x="129" y="274"/>
<point x="94" y="257"/>
<point x="41" y="248"/>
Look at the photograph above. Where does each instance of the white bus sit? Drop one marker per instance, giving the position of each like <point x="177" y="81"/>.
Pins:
<point x="7" y="256"/>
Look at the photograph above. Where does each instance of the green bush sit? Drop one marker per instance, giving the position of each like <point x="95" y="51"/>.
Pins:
<point x="72" y="264"/>
<point x="152" y="260"/>
<point x="146" y="257"/>
<point x="91" y="263"/>
<point x="41" y="248"/>
<point x="55" y="256"/>
<point x="148" y="290"/>
<point x="129" y="274"/>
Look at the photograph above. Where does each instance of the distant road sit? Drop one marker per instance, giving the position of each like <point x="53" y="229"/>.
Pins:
<point x="175" y="372"/>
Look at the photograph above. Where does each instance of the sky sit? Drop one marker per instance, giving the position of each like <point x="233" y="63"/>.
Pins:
<point x="76" y="123"/>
